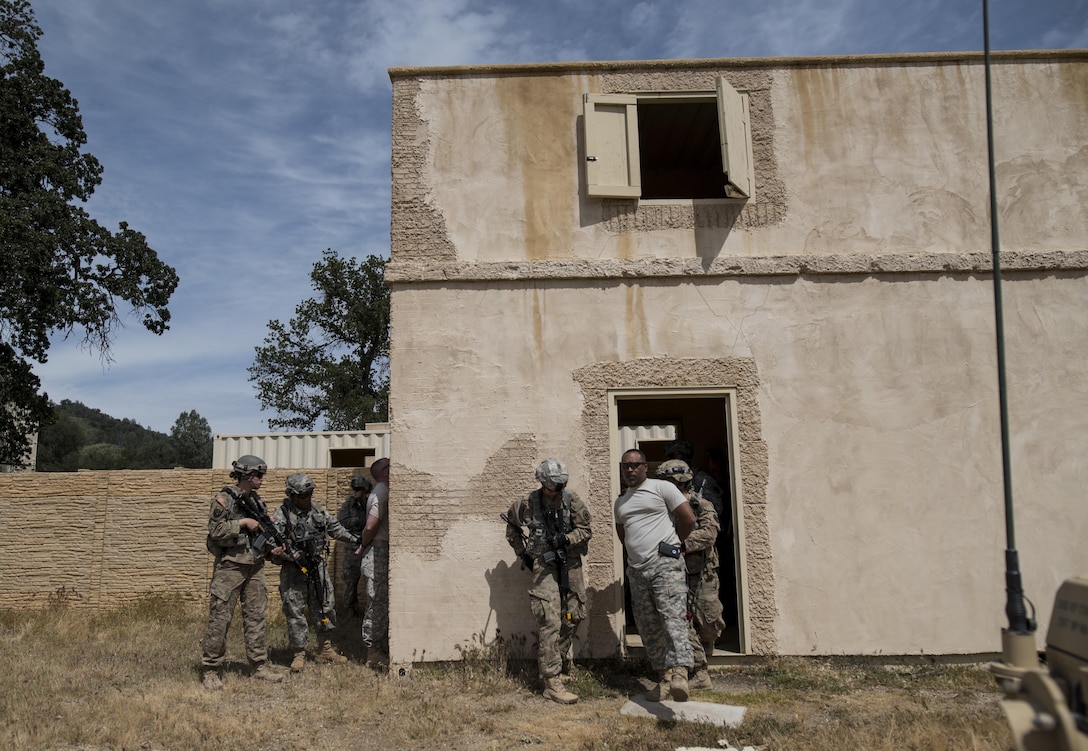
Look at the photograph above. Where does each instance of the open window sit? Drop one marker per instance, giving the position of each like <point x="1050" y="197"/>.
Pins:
<point x="669" y="145"/>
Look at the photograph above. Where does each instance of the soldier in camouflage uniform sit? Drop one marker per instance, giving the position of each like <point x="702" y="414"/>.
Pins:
<point x="352" y="516"/>
<point x="653" y="518"/>
<point x="702" y="482"/>
<point x="558" y="537"/>
<point x="238" y="575"/>
<point x="701" y="561"/>
<point x="307" y="527"/>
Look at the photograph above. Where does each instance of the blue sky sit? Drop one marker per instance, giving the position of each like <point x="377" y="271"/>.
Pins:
<point x="245" y="137"/>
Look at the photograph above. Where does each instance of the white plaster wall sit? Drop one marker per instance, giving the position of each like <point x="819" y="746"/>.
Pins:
<point x="893" y="159"/>
<point x="879" y="408"/>
<point x="874" y="159"/>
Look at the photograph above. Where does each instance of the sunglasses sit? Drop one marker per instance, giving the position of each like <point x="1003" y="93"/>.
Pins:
<point x="631" y="465"/>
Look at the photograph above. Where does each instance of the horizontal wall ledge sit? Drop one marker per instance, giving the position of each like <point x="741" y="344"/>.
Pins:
<point x="401" y="272"/>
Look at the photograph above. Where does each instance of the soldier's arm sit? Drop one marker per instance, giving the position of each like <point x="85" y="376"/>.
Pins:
<point x="705" y="534"/>
<point x="685" y="520"/>
<point x="220" y="525"/>
<point x="580" y="520"/>
<point x="515" y="536"/>
<point x="337" y="531"/>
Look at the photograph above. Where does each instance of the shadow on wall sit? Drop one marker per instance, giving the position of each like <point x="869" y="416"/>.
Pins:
<point x="515" y="626"/>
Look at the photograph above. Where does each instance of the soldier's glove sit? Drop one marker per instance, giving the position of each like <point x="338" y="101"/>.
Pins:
<point x="527" y="561"/>
<point x="560" y="541"/>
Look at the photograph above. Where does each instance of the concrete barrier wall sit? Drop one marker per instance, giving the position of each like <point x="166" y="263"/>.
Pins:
<point x="96" y="539"/>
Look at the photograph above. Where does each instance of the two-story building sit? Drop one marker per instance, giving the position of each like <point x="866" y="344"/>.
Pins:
<point x="786" y="261"/>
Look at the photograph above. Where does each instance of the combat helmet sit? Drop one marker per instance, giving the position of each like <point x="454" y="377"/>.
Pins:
<point x="299" y="483"/>
<point x="552" y="474"/>
<point x="361" y="483"/>
<point x="676" y="470"/>
<point x="247" y="466"/>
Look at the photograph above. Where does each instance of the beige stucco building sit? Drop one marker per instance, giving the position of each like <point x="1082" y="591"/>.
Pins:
<point x="572" y="271"/>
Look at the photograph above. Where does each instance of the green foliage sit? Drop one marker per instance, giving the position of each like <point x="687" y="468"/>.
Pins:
<point x="192" y="440"/>
<point x="331" y="361"/>
<point x="101" y="456"/>
<point x="86" y="438"/>
<point x="63" y="271"/>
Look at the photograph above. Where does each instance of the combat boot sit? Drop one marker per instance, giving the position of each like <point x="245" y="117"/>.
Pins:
<point x="678" y="684"/>
<point x="660" y="692"/>
<point x="212" y="681"/>
<point x="554" y="690"/>
<point x="326" y="652"/>
<point x="700" y="680"/>
<point x="266" y="673"/>
<point x="298" y="662"/>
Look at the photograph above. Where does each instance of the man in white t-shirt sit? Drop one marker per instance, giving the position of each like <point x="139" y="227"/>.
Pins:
<point x="374" y="545"/>
<point x="652" y="520"/>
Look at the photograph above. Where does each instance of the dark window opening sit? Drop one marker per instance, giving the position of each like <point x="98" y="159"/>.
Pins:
<point x="350" y="457"/>
<point x="680" y="149"/>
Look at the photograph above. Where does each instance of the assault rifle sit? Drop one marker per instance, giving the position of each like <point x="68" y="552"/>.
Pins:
<point x="268" y="532"/>
<point x="557" y="556"/>
<point x="309" y="563"/>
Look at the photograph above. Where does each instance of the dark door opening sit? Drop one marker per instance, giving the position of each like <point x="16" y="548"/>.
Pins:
<point x="703" y="421"/>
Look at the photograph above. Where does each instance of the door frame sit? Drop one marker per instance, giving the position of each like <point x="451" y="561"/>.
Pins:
<point x="732" y="448"/>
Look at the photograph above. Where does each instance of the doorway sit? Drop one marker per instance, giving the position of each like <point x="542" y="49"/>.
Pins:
<point x="651" y="419"/>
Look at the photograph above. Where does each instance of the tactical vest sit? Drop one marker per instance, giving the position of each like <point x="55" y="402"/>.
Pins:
<point x="544" y="524"/>
<point x="306" y="532"/>
<point x="233" y="546"/>
<point x="355" y="519"/>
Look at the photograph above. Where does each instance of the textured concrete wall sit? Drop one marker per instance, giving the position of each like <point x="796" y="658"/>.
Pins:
<point x="95" y="539"/>
<point x="848" y="305"/>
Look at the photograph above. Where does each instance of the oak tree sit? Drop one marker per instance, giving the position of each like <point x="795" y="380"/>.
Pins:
<point x="192" y="441"/>
<point x="330" y="363"/>
<point x="63" y="271"/>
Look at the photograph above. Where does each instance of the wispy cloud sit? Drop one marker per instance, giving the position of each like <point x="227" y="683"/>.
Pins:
<point x="244" y="137"/>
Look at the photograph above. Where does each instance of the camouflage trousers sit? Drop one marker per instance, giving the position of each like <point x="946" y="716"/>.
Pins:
<point x="375" y="573"/>
<point x="659" y="601"/>
<point x="556" y="633"/>
<point x="230" y="583"/>
<point x="706" y="623"/>
<point x="351" y="570"/>
<point x="299" y="594"/>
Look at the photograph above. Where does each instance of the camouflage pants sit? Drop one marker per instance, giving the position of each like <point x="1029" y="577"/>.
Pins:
<point x="351" y="571"/>
<point x="375" y="572"/>
<point x="706" y="622"/>
<point x="299" y="593"/>
<point x="659" y="601"/>
<point x="556" y="632"/>
<point x="230" y="583"/>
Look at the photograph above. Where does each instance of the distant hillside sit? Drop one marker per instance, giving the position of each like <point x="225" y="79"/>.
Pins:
<point x="86" y="438"/>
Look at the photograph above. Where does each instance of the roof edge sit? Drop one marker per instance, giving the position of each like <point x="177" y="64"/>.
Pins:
<point x="734" y="62"/>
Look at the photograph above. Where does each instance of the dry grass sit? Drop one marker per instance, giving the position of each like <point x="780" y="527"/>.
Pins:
<point x="129" y="679"/>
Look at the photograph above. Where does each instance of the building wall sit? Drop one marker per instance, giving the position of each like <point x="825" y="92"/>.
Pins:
<point x="849" y="305"/>
<point x="95" y="539"/>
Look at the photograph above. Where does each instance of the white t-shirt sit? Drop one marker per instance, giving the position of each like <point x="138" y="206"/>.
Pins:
<point x="377" y="505"/>
<point x="646" y="515"/>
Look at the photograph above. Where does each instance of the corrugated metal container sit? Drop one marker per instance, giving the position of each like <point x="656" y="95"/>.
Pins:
<point x="633" y="436"/>
<point x="348" y="448"/>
